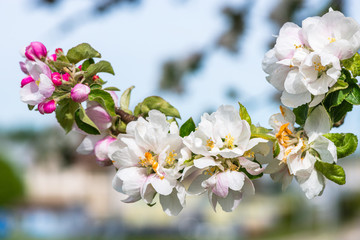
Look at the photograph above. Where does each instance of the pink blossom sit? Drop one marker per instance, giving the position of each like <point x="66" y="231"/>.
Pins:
<point x="56" y="78"/>
<point x="53" y="57"/>
<point x="47" y="107"/>
<point x="80" y="93"/>
<point x="26" y="80"/>
<point x="59" y="50"/>
<point x="35" y="50"/>
<point x="102" y="147"/>
<point x="98" y="115"/>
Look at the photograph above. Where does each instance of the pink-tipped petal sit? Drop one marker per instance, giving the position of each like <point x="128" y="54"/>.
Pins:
<point x="26" y="80"/>
<point x="56" y="78"/>
<point x="102" y="147"/>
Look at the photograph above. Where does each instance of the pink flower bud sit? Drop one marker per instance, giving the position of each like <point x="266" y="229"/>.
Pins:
<point x="26" y="80"/>
<point x="95" y="77"/>
<point x="80" y="93"/>
<point x="52" y="57"/>
<point x="47" y="107"/>
<point x="80" y="67"/>
<point x="65" y="76"/>
<point x="59" y="50"/>
<point x="102" y="147"/>
<point x="35" y="50"/>
<point x="56" y="78"/>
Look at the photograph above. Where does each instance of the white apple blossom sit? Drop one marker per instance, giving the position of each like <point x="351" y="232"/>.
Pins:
<point x="299" y="150"/>
<point x="220" y="143"/>
<point x="148" y="158"/>
<point x="305" y="62"/>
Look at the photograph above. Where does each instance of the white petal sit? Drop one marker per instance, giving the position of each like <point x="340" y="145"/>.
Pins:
<point x="133" y="179"/>
<point x="325" y="148"/>
<point x="162" y="186"/>
<point x="147" y="192"/>
<point x="232" y="200"/>
<point x="172" y="204"/>
<point x="88" y="144"/>
<point x="293" y="82"/>
<point x="295" y="100"/>
<point x="205" y="162"/>
<point x="252" y="167"/>
<point x="316" y="100"/>
<point x="312" y="186"/>
<point x="30" y="94"/>
<point x="235" y="180"/>
<point x="317" y="122"/>
<point x="195" y="187"/>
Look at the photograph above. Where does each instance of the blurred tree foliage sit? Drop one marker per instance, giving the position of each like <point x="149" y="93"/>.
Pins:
<point x="11" y="186"/>
<point x="174" y="71"/>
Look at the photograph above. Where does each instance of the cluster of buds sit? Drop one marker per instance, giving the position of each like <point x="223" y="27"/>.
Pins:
<point x="48" y="80"/>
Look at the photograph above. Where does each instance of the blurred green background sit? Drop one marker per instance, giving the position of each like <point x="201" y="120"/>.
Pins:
<point x="198" y="55"/>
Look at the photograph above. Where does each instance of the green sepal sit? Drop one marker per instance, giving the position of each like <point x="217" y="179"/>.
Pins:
<point x="353" y="64"/>
<point x="102" y="66"/>
<point x="276" y="149"/>
<point x="65" y="112"/>
<point x="346" y="143"/>
<point x="332" y="172"/>
<point x="81" y="52"/>
<point x="31" y="107"/>
<point x="261" y="132"/>
<point x="104" y="99"/>
<point x="301" y="114"/>
<point x="125" y="98"/>
<point x="84" y="122"/>
<point x="158" y="103"/>
<point x="244" y="115"/>
<point x="86" y="64"/>
<point x="187" y="128"/>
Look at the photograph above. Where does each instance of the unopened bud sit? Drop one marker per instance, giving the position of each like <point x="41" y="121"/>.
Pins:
<point x="47" y="107"/>
<point x="59" y="51"/>
<point x="26" y="80"/>
<point x="66" y="77"/>
<point x="35" y="50"/>
<point x="80" y="93"/>
<point x="56" y="78"/>
<point x="80" y="67"/>
<point x="95" y="77"/>
<point x="53" y="57"/>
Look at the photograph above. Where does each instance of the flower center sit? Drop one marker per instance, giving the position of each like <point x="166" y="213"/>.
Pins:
<point x="331" y="40"/>
<point x="37" y="82"/>
<point x="284" y="136"/>
<point x="298" y="46"/>
<point x="210" y="143"/>
<point x="170" y="159"/>
<point x="150" y="162"/>
<point x="319" y="67"/>
<point x="229" y="141"/>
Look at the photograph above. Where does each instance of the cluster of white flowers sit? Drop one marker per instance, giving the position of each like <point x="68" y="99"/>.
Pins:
<point x="305" y="61"/>
<point x="152" y="158"/>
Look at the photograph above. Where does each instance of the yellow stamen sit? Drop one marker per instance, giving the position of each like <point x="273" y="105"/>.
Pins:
<point x="210" y="143"/>
<point x="150" y="161"/>
<point x="171" y="158"/>
<point x="318" y="67"/>
<point x="37" y="82"/>
<point x="331" y="40"/>
<point x="283" y="135"/>
<point x="298" y="46"/>
<point x="229" y="141"/>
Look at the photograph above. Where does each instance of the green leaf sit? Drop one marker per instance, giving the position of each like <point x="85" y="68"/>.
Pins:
<point x="86" y="64"/>
<point x="261" y="132"/>
<point x="65" y="112"/>
<point x="353" y="64"/>
<point x="95" y="86"/>
<point x="30" y="107"/>
<point x="337" y="113"/>
<point x="354" y="95"/>
<point x="125" y="98"/>
<point x="81" y="52"/>
<point x="84" y="122"/>
<point x="346" y="143"/>
<point x="104" y="99"/>
<point x="244" y="115"/>
<point x="340" y="84"/>
<point x="158" y="103"/>
<point x="301" y="114"/>
<point x="332" y="172"/>
<point x="187" y="128"/>
<point x="111" y="89"/>
<point x="335" y="98"/>
<point x="102" y="66"/>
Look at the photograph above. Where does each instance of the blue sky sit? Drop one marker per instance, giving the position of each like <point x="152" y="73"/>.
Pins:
<point x="137" y="41"/>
